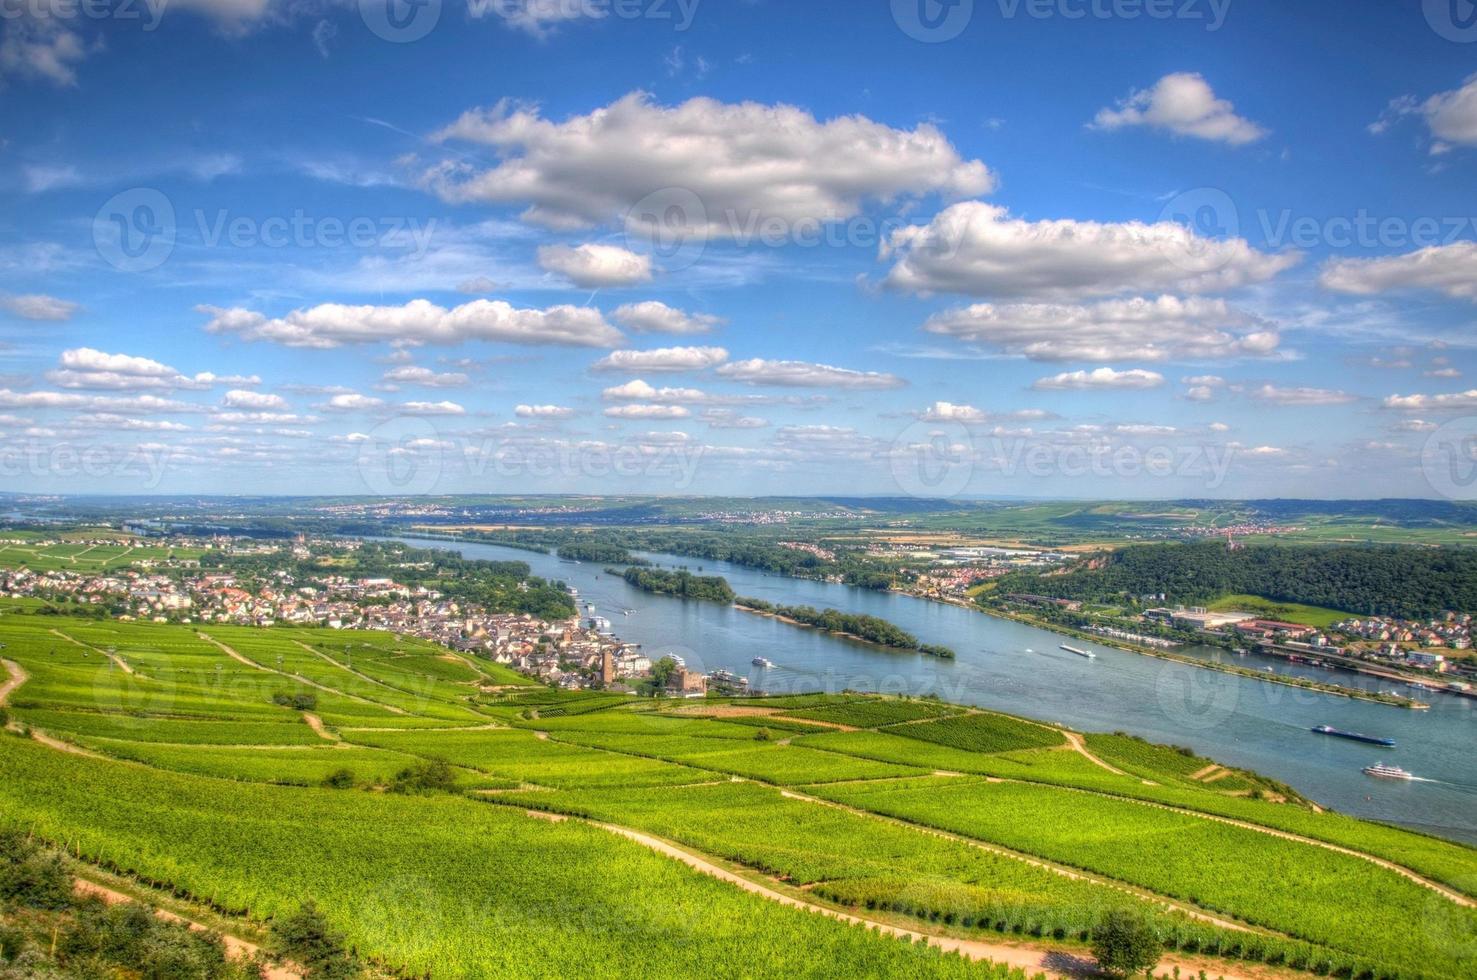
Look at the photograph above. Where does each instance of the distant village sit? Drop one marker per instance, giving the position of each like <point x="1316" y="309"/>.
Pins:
<point x="577" y="653"/>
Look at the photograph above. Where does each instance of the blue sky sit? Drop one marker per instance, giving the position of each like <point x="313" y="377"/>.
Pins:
<point x="1058" y="248"/>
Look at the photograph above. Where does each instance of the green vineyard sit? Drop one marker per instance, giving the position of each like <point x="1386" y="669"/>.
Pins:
<point x="452" y="819"/>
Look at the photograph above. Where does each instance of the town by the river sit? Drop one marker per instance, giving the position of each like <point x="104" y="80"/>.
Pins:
<point x="1021" y="669"/>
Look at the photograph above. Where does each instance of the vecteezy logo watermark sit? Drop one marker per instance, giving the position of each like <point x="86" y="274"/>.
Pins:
<point x="1194" y="699"/>
<point x="933" y="459"/>
<point x="577" y="463"/>
<point x="1455" y="20"/>
<point x="135" y="230"/>
<point x="401" y="456"/>
<point x="672" y="224"/>
<point x="302" y="230"/>
<point x="932" y="21"/>
<point x="1449" y="459"/>
<point x="1212" y="218"/>
<point x="400" y="21"/>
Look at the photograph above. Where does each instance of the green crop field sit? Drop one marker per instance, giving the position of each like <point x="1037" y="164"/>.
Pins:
<point x="216" y="747"/>
<point x="82" y="551"/>
<point x="873" y="714"/>
<point x="981" y="733"/>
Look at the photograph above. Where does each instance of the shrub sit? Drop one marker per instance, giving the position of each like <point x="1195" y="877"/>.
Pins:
<point x="339" y="779"/>
<point x="1125" y="944"/>
<point x="425" y="777"/>
<point x="306" y="938"/>
<point x="31" y="877"/>
<point x="305" y="701"/>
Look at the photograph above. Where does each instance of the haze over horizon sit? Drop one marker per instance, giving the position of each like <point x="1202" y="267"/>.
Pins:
<point x="1227" y="250"/>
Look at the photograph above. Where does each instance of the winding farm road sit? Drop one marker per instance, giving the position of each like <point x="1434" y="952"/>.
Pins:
<point x="123" y="664"/>
<point x="392" y="709"/>
<point x="316" y="724"/>
<point x="254" y="665"/>
<point x="1079" y="745"/>
<point x="1055" y="964"/>
<point x="18" y="676"/>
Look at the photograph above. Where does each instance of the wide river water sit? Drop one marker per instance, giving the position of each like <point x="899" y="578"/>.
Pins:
<point x="1021" y="669"/>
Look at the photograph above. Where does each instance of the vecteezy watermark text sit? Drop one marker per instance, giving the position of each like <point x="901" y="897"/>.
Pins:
<point x="942" y="459"/>
<point x="92" y="462"/>
<point x="936" y="21"/>
<point x="137" y="230"/>
<point x="149" y="12"/>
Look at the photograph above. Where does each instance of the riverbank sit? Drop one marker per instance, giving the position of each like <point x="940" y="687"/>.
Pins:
<point x="1393" y="701"/>
<point x="1066" y="631"/>
<point x="1257" y="726"/>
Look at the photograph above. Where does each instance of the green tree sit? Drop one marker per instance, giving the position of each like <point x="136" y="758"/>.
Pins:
<point x="662" y="671"/>
<point x="306" y="938"/>
<point x="1125" y="944"/>
<point x="31" y="877"/>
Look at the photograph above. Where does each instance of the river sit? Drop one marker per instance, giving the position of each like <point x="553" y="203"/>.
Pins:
<point x="1020" y="669"/>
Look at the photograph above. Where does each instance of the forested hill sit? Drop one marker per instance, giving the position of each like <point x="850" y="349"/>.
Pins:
<point x="1394" y="581"/>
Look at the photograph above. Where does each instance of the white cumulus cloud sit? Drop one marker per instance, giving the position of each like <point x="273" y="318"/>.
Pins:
<point x="409" y="374"/>
<point x="38" y="306"/>
<point x="1104" y="377"/>
<point x="543" y="412"/>
<point x="977" y="249"/>
<point x="640" y="391"/>
<point x="1278" y="395"/>
<point x="1182" y="103"/>
<point x="736" y="162"/>
<point x="595" y="266"/>
<point x="647" y="412"/>
<point x="1454" y="401"/>
<point x="662" y="359"/>
<point x="419" y="321"/>
<point x="1447" y="269"/>
<point x="654" y="317"/>
<point x="803" y="374"/>
<point x="254" y="401"/>
<point x="1111" y="330"/>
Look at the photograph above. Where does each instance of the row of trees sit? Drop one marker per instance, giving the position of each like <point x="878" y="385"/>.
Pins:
<point x="601" y="551"/>
<point x="713" y="588"/>
<point x="1410" y="582"/>
<point x="870" y="628"/>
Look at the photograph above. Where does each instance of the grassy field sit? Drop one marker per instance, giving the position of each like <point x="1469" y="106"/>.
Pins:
<point x="1287" y="612"/>
<point x="231" y="796"/>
